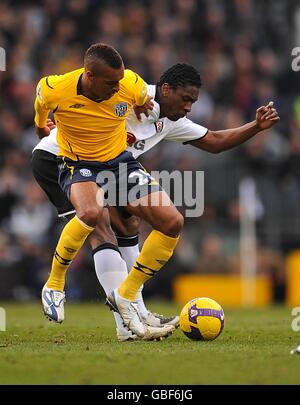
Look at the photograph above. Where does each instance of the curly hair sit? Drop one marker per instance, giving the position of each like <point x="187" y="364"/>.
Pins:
<point x="180" y="74"/>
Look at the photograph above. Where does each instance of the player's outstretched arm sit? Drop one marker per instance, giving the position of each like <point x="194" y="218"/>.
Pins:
<point x="219" y="141"/>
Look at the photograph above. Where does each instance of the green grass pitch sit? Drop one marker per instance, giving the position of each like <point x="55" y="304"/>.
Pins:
<point x="254" y="348"/>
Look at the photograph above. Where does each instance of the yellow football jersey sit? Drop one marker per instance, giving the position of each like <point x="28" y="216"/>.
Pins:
<point x="88" y="130"/>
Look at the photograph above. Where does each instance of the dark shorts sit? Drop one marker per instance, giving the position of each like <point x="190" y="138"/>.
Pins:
<point x="45" y="171"/>
<point x="123" y="179"/>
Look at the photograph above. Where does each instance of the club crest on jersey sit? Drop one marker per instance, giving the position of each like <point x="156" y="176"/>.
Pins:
<point x="130" y="138"/>
<point x="121" y="109"/>
<point x="85" y="172"/>
<point x="159" y="126"/>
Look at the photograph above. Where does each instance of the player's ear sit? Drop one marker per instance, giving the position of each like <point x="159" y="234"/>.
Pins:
<point x="165" y="89"/>
<point x="89" y="74"/>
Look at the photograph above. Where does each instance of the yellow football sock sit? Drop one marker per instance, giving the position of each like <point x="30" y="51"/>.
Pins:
<point x="157" y="250"/>
<point x="71" y="239"/>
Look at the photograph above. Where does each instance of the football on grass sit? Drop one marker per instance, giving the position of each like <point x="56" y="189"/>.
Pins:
<point x="202" y="319"/>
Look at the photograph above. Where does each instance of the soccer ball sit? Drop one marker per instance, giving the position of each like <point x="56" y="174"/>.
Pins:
<point x="202" y="319"/>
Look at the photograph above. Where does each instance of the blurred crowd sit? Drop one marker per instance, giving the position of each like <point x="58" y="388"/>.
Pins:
<point x="242" y="49"/>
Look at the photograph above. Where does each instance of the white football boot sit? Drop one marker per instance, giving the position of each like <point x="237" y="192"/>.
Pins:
<point x="128" y="312"/>
<point x="153" y="319"/>
<point x="296" y="350"/>
<point x="53" y="304"/>
<point x="131" y="317"/>
<point x="125" y="335"/>
<point x="158" y="333"/>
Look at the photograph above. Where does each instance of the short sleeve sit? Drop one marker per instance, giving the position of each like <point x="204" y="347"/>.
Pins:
<point x="41" y="104"/>
<point x="185" y="130"/>
<point x="41" y="93"/>
<point x="140" y="90"/>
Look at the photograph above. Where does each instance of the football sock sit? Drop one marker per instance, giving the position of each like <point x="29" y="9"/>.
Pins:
<point x="71" y="240"/>
<point x="157" y="250"/>
<point x="129" y="248"/>
<point x="140" y="301"/>
<point x="110" y="270"/>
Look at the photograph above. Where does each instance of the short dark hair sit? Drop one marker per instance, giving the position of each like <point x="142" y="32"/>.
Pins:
<point x="103" y="52"/>
<point x="180" y="74"/>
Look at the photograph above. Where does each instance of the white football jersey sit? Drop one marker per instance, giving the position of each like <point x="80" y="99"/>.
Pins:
<point x="144" y="135"/>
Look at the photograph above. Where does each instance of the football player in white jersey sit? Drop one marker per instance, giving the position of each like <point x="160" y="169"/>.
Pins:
<point x="173" y="97"/>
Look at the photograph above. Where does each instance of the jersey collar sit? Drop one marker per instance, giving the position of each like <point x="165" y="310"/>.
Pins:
<point x="80" y="93"/>
<point x="79" y="87"/>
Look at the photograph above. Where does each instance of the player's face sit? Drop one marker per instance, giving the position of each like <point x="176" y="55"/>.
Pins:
<point x="178" y="102"/>
<point x="105" y="83"/>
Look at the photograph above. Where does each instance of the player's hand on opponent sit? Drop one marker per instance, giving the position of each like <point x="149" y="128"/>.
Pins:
<point x="266" y="116"/>
<point x="45" y="131"/>
<point x="50" y="124"/>
<point x="143" y="109"/>
<point x="42" y="132"/>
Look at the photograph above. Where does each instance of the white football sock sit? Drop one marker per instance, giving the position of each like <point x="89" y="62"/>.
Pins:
<point x="111" y="270"/>
<point x="129" y="248"/>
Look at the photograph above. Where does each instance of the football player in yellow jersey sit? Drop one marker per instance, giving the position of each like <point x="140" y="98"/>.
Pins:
<point x="90" y="107"/>
<point x="90" y="110"/>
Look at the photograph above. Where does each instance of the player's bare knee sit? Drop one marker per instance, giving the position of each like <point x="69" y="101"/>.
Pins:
<point x="131" y="227"/>
<point x="89" y="215"/>
<point x="106" y="234"/>
<point x="174" y="225"/>
<point x="102" y="235"/>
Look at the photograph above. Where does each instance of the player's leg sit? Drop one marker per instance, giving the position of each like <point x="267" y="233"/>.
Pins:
<point x="82" y="191"/>
<point x="162" y="215"/>
<point x="109" y="266"/>
<point x="158" y="210"/>
<point x="157" y="249"/>
<point x="85" y="196"/>
<point x="45" y="171"/>
<point x="83" y="199"/>
<point x="126" y="227"/>
<point x="71" y="240"/>
<point x="111" y="270"/>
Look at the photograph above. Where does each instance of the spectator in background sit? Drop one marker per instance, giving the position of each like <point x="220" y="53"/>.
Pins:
<point x="32" y="217"/>
<point x="211" y="259"/>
